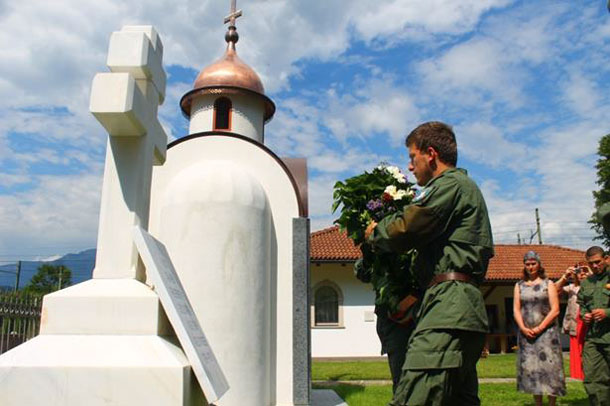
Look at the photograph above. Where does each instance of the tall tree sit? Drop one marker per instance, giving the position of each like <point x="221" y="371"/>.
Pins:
<point x="602" y="195"/>
<point x="49" y="278"/>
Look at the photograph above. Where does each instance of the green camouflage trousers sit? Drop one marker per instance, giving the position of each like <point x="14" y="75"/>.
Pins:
<point x="596" y="366"/>
<point x="440" y="369"/>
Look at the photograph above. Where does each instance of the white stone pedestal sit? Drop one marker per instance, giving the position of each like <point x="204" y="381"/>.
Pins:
<point x="109" y="352"/>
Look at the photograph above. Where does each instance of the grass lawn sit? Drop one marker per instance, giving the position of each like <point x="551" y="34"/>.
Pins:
<point x="494" y="366"/>
<point x="349" y="370"/>
<point x="491" y="394"/>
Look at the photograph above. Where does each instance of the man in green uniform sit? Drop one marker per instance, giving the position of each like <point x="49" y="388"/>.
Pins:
<point x="594" y="300"/>
<point x="448" y="225"/>
<point x="392" y="335"/>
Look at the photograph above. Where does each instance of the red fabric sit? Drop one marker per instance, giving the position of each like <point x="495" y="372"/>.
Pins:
<point x="576" y="344"/>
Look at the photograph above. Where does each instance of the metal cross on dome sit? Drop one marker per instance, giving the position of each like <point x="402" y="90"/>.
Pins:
<point x="234" y="14"/>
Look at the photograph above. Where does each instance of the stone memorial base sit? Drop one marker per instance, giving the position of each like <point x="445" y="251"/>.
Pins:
<point x="100" y="345"/>
<point x="72" y="370"/>
<point x="106" y="342"/>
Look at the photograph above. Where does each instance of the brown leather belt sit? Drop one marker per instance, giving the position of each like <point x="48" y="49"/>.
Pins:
<point x="451" y="276"/>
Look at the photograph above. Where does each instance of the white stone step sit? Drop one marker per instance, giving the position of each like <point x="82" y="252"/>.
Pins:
<point x="104" y="307"/>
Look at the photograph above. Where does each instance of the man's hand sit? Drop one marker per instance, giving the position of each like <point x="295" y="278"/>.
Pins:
<point x="369" y="229"/>
<point x="598" y="314"/>
<point x="588" y="318"/>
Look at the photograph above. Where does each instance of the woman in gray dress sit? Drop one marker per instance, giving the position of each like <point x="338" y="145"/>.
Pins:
<point x="536" y="307"/>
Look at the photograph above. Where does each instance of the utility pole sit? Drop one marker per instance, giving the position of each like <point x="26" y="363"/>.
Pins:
<point x="518" y="238"/>
<point x="17" y="276"/>
<point x="538" y="227"/>
<point x="61" y="268"/>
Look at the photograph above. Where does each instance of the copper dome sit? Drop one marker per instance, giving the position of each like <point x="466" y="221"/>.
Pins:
<point x="228" y="75"/>
<point x="229" y="71"/>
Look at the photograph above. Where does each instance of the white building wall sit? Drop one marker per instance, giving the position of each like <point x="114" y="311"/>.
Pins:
<point x="357" y="336"/>
<point x="247" y="114"/>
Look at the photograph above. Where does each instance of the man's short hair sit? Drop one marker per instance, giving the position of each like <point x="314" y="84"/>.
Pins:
<point x="594" y="250"/>
<point x="437" y="135"/>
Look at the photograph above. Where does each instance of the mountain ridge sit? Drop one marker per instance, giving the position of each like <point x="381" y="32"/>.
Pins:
<point x="81" y="264"/>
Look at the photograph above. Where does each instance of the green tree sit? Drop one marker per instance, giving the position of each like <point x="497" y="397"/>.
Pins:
<point x="49" y="278"/>
<point x="602" y="195"/>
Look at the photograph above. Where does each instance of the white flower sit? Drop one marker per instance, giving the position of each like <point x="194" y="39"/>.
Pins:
<point x="393" y="170"/>
<point x="400" y="177"/>
<point x="398" y="194"/>
<point x="391" y="190"/>
<point x="396" y="173"/>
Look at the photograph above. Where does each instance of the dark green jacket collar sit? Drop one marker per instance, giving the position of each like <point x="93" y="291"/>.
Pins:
<point x="446" y="172"/>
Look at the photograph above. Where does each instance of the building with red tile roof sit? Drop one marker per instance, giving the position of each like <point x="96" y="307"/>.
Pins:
<point x="332" y="245"/>
<point x="348" y="329"/>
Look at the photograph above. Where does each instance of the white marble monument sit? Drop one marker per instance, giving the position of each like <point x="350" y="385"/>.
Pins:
<point x="107" y="341"/>
<point x="228" y="226"/>
<point x="233" y="216"/>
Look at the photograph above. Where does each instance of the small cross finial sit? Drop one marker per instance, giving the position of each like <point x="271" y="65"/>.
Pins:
<point x="233" y="15"/>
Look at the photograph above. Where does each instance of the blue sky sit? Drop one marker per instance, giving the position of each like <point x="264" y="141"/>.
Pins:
<point x="523" y="83"/>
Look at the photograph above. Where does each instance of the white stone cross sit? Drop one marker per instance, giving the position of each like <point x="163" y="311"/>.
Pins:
<point x="125" y="102"/>
<point x="233" y="14"/>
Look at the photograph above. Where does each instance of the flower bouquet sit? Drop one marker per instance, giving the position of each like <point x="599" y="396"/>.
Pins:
<point x="372" y="196"/>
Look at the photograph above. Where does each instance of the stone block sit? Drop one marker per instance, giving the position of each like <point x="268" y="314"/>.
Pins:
<point x="118" y="104"/>
<point x="104" y="307"/>
<point x="131" y="51"/>
<point x="77" y="370"/>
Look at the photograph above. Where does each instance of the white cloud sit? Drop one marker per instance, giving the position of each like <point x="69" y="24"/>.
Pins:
<point x="170" y="111"/>
<point x="396" y="18"/>
<point x="471" y="72"/>
<point x="348" y="161"/>
<point x="486" y="144"/>
<point x="581" y="95"/>
<point x="377" y="106"/>
<point x="60" y="213"/>
<point x="331" y="129"/>
<point x="7" y="179"/>
<point x="507" y="77"/>
<point x="558" y="180"/>
<point x="53" y="61"/>
<point x="320" y="201"/>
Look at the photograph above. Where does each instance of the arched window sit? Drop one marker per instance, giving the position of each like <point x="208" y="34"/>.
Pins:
<point x="222" y="114"/>
<point x="327" y="306"/>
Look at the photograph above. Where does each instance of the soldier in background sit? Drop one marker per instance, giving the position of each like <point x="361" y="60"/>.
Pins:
<point x="393" y="334"/>
<point x="594" y="301"/>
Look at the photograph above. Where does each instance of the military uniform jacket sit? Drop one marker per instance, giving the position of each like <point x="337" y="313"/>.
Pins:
<point x="594" y="294"/>
<point x="448" y="225"/>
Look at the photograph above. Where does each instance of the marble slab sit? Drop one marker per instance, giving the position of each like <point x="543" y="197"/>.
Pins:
<point x="300" y="302"/>
<point x="161" y="273"/>
<point x="97" y="370"/>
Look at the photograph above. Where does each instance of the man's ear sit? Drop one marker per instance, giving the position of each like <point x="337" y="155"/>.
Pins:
<point x="432" y="154"/>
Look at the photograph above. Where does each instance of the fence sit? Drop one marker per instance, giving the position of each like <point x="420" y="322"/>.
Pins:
<point x="19" y="319"/>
